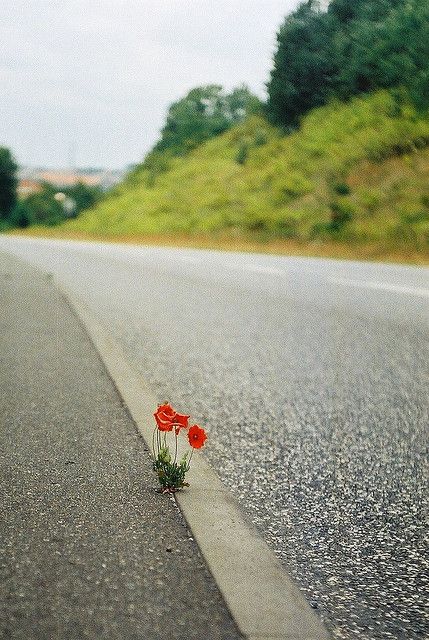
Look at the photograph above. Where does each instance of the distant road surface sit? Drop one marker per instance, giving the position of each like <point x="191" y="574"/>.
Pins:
<point x="312" y="378"/>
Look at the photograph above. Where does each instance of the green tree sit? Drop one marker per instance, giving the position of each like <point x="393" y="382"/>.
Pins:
<point x="304" y="65"/>
<point x="39" y="208"/>
<point x="203" y="113"/>
<point x="387" y="45"/>
<point x="8" y="183"/>
<point x="354" y="47"/>
<point x="83" y="195"/>
<point x="241" y="103"/>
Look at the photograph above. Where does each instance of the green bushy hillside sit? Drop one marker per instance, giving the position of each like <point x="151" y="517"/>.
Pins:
<point x="354" y="172"/>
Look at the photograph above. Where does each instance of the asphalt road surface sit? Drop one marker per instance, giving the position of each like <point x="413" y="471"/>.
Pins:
<point x="88" y="549"/>
<point x="312" y="379"/>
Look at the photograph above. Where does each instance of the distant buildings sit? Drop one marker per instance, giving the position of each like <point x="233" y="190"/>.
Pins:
<point x="27" y="186"/>
<point x="30" y="179"/>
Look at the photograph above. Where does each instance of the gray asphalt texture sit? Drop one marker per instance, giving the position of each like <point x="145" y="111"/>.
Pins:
<point x="312" y="379"/>
<point x="88" y="549"/>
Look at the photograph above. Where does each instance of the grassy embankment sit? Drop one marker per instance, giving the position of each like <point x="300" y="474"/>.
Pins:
<point x="353" y="182"/>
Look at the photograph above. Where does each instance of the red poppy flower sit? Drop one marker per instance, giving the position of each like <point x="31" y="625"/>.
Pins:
<point x="181" y="422"/>
<point x="196" y="437"/>
<point x="167" y="418"/>
<point x="164" y="417"/>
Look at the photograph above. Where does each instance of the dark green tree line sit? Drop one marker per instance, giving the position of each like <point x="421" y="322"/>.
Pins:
<point x="353" y="47"/>
<point x="8" y="184"/>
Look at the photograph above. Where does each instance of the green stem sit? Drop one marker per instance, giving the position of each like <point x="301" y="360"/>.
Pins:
<point x="175" y="451"/>
<point x="153" y="441"/>
<point x="158" y="441"/>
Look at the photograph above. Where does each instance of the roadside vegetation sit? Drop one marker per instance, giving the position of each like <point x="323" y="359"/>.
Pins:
<point x="8" y="185"/>
<point x="46" y="207"/>
<point x="355" y="172"/>
<point x="338" y="156"/>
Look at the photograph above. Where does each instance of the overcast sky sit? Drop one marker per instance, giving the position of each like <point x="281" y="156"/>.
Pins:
<point x="89" y="81"/>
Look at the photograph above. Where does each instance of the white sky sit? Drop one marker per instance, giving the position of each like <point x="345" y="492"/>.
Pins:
<point x="92" y="79"/>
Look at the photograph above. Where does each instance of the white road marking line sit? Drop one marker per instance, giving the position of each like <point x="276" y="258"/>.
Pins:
<point x="261" y="269"/>
<point x="382" y="286"/>
<point x="189" y="259"/>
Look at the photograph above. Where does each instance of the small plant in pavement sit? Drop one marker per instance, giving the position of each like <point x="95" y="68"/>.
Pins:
<point x="171" y="471"/>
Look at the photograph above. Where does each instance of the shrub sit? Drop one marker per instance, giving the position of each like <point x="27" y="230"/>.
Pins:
<point x="413" y="214"/>
<point x="154" y="164"/>
<point x="243" y="152"/>
<point x="341" y="188"/>
<point x="287" y="227"/>
<point x="291" y="186"/>
<point x="257" y="225"/>
<point x="260" y="138"/>
<point x="21" y="216"/>
<point x="342" y="212"/>
<point x="319" y="229"/>
<point x="425" y="200"/>
<point x="40" y="208"/>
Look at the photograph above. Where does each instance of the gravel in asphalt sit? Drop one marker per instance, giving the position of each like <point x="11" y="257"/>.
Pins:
<point x="88" y="549"/>
<point x="318" y="418"/>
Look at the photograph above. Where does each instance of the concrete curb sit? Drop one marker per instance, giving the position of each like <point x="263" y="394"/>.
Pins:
<point x="262" y="599"/>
